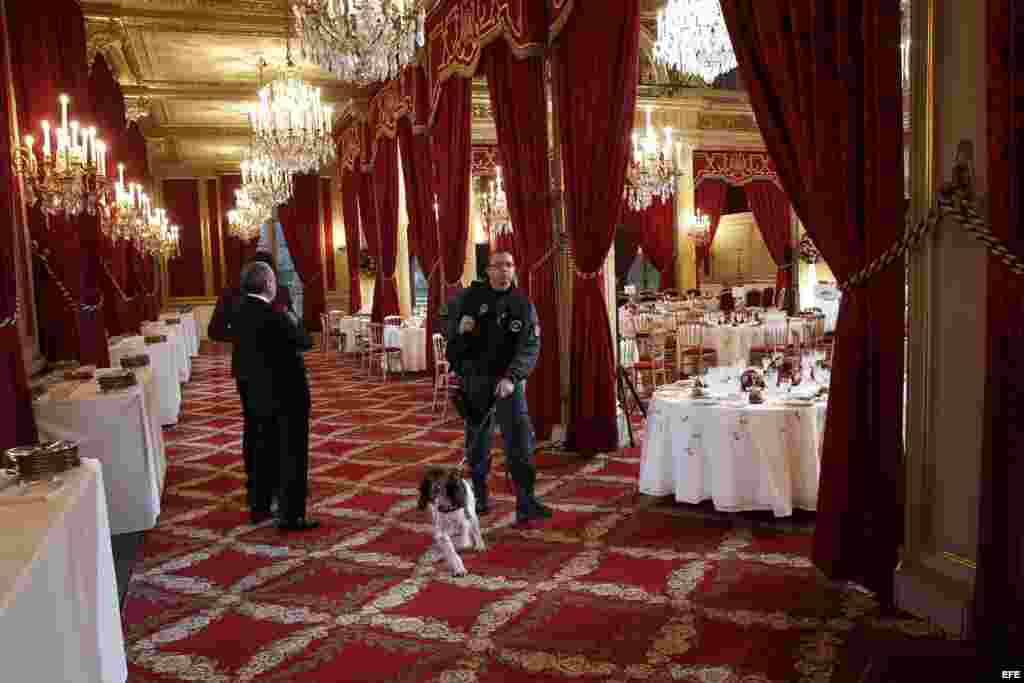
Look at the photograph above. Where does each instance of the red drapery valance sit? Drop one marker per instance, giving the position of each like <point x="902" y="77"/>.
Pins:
<point x="733" y="167"/>
<point x="771" y="211"/>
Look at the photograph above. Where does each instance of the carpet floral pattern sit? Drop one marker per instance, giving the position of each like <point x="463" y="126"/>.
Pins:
<point x="613" y="588"/>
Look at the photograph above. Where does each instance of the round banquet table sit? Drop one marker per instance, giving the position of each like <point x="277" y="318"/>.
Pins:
<point x="732" y="343"/>
<point x="742" y="457"/>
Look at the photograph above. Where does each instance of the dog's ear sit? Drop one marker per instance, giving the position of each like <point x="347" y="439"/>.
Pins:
<point x="426" y="488"/>
<point x="455" y="489"/>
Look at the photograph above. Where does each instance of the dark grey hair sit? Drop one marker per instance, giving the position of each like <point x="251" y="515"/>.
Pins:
<point x="256" y="277"/>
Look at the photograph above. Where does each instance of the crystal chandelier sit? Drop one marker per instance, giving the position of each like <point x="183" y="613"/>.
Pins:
<point x="494" y="207"/>
<point x="360" y="41"/>
<point x="693" y="39"/>
<point x="652" y="171"/>
<point x="291" y="126"/>
<point x="698" y="228"/>
<point x="264" y="182"/>
<point x="71" y="176"/>
<point x="247" y="218"/>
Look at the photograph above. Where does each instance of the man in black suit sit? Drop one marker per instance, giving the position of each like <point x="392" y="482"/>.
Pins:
<point x="220" y="330"/>
<point x="269" y="346"/>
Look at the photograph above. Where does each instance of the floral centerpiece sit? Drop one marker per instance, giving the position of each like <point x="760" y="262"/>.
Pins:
<point x="367" y="264"/>
<point x="808" y="252"/>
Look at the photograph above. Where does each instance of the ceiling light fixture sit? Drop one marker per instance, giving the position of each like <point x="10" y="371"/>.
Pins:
<point x="693" y="39"/>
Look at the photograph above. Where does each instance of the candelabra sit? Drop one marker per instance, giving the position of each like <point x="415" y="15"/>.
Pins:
<point x="265" y="182"/>
<point x="698" y="229"/>
<point x="70" y="179"/>
<point x="247" y="218"/>
<point x="652" y="170"/>
<point x="494" y="206"/>
<point x="130" y="209"/>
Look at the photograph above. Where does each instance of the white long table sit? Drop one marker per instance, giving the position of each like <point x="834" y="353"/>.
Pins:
<point x="163" y="361"/>
<point x="742" y="457"/>
<point x="177" y="336"/>
<point x="59" y="612"/>
<point x="190" y="330"/>
<point x="413" y="343"/>
<point x="120" y="430"/>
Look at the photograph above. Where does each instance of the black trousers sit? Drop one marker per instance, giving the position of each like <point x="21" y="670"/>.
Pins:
<point x="292" y="438"/>
<point x="259" y="454"/>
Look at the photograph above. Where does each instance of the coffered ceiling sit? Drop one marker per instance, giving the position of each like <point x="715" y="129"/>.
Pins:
<point x="189" y="70"/>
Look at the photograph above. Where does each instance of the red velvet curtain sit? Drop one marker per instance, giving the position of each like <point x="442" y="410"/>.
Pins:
<point x="452" y="152"/>
<point x="596" y="70"/>
<point x="415" y="148"/>
<point x="93" y="348"/>
<point x="385" y="193"/>
<point x="998" y="613"/>
<point x="770" y="207"/>
<point x="328" y="204"/>
<point x="350" y="186"/>
<point x="368" y="218"/>
<point x="520" y="114"/>
<point x="181" y="198"/>
<point x="709" y="198"/>
<point x="827" y="95"/>
<point x="628" y="242"/>
<point x="18" y="426"/>
<point x="658" y="238"/>
<point x="300" y="221"/>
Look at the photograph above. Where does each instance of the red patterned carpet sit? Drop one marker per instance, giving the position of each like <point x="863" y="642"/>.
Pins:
<point x="613" y="588"/>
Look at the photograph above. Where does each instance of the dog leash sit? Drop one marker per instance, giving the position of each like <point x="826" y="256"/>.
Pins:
<point x="484" y="424"/>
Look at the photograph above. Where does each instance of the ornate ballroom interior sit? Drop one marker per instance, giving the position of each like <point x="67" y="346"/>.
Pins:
<point x="775" y="250"/>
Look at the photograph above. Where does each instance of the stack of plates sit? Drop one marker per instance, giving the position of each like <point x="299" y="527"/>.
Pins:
<point x="43" y="461"/>
<point x="172" y="321"/>
<point x="121" y="379"/>
<point x="155" y="338"/>
<point x="82" y="374"/>
<point x="140" y="360"/>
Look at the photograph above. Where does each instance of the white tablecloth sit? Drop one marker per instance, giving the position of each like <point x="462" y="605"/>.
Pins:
<point x="349" y="326"/>
<point x="59" y="613"/>
<point x="190" y="329"/>
<point x="732" y="343"/>
<point x="176" y="335"/>
<point x="413" y="342"/>
<point x="119" y="430"/>
<point x="739" y="456"/>
<point x="163" y="362"/>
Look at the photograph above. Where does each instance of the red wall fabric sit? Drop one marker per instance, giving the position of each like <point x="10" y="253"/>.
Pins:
<point x="216" y="239"/>
<point x="328" y="203"/>
<point x="236" y="252"/>
<point x="828" y="101"/>
<point x="709" y="198"/>
<point x="595" y="82"/>
<point x="181" y="199"/>
<point x="998" y="611"/>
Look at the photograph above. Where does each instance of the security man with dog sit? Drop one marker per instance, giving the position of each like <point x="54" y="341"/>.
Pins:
<point x="493" y="345"/>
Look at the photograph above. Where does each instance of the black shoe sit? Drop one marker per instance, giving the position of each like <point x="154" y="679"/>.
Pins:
<point x="259" y="516"/>
<point x="539" y="511"/>
<point x="300" y="524"/>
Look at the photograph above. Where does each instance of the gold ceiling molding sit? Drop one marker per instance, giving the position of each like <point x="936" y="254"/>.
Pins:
<point x="332" y="91"/>
<point x="137" y="108"/>
<point x="103" y="36"/>
<point x="738" y="122"/>
<point x="262" y="18"/>
<point x="205" y="132"/>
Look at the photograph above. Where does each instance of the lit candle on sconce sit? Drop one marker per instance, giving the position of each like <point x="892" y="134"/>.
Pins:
<point x="64" y="99"/>
<point x="437" y="211"/>
<point x="120" y="175"/>
<point x="46" y="139"/>
<point x="91" y="152"/>
<point x="29" y="142"/>
<point x="101" y="159"/>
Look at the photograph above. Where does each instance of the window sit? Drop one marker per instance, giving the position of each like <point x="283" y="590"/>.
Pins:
<point x="286" y="273"/>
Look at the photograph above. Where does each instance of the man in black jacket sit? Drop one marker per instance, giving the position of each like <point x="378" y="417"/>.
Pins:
<point x="269" y="346"/>
<point x="493" y="344"/>
<point x="220" y="330"/>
